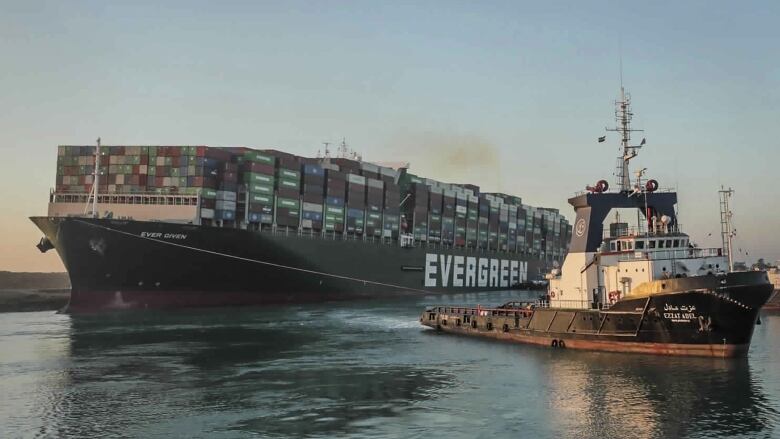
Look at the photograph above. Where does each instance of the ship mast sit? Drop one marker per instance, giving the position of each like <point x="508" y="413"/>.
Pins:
<point x="93" y="194"/>
<point x="623" y="116"/>
<point x="726" y="231"/>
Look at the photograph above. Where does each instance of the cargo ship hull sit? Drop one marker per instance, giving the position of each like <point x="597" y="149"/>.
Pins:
<point x="119" y="264"/>
<point x="702" y="321"/>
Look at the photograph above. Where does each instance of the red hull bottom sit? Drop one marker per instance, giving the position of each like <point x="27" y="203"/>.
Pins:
<point x="677" y="349"/>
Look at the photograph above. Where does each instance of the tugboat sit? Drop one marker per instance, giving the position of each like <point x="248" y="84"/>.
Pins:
<point x="647" y="289"/>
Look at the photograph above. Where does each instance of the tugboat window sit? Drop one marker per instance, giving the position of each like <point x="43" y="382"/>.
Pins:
<point x="661" y="244"/>
<point x="668" y="243"/>
<point x="676" y="242"/>
<point x="651" y="244"/>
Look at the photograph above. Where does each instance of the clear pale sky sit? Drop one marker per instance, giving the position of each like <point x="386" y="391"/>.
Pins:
<point x="508" y="95"/>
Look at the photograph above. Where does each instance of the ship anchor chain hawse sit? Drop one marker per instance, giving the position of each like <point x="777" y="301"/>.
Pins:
<point x="644" y="289"/>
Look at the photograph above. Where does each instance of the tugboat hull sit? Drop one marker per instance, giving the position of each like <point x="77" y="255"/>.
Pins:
<point x="709" y="322"/>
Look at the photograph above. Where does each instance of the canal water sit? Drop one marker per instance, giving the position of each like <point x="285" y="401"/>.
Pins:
<point x="363" y="369"/>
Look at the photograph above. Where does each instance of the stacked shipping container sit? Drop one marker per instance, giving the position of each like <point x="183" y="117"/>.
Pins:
<point x="339" y="195"/>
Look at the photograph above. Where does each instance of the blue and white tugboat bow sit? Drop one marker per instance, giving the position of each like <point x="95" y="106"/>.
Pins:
<point x="645" y="289"/>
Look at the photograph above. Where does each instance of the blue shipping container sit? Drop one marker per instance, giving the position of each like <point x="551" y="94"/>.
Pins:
<point x="313" y="170"/>
<point x="334" y="201"/>
<point x="314" y="216"/>
<point x="355" y="213"/>
<point x="225" y="214"/>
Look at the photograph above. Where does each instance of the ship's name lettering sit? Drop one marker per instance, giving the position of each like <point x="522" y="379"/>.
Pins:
<point x="470" y="271"/>
<point x="679" y="317"/>
<point x="163" y="235"/>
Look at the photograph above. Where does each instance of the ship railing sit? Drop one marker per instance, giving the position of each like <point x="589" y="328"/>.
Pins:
<point x="520" y="312"/>
<point x="568" y="303"/>
<point x="683" y="253"/>
<point x="152" y="198"/>
<point x="663" y="190"/>
<point x="670" y="230"/>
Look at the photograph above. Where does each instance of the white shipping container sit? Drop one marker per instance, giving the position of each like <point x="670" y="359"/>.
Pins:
<point x="331" y="166"/>
<point x="370" y="167"/>
<point x="473" y="199"/>
<point x="312" y="207"/>
<point x="226" y="205"/>
<point x="387" y="172"/>
<point x="379" y="184"/>
<point x="437" y="190"/>
<point x="226" y="195"/>
<point x="449" y="193"/>
<point x="460" y="209"/>
<point x="143" y="169"/>
<point x="160" y="161"/>
<point x="206" y="213"/>
<point x="356" y="179"/>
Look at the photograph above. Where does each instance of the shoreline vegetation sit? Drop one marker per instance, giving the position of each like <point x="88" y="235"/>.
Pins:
<point x="33" y="291"/>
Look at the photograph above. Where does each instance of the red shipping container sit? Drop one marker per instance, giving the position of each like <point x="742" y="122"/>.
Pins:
<point x="158" y="181"/>
<point x="176" y="162"/>
<point x="144" y="159"/>
<point x="258" y="168"/>
<point x="200" y="151"/>
<point x="136" y="169"/>
<point x="104" y="160"/>
<point x="142" y="179"/>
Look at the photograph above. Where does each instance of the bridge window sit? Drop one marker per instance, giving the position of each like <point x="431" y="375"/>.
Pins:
<point x="612" y="245"/>
<point x="640" y="245"/>
<point x="676" y="242"/>
<point x="651" y="244"/>
<point x="661" y="243"/>
<point x="668" y="243"/>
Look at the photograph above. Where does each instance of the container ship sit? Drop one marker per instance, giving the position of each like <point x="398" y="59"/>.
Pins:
<point x="642" y="289"/>
<point x="190" y="226"/>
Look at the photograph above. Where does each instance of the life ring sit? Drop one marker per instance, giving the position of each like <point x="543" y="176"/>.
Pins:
<point x="614" y="297"/>
<point x="555" y="343"/>
<point x="651" y="186"/>
<point x="552" y="294"/>
<point x="602" y="186"/>
<point x="561" y="344"/>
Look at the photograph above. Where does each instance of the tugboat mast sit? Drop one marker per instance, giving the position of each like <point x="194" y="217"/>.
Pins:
<point x="623" y="116"/>
<point x="726" y="231"/>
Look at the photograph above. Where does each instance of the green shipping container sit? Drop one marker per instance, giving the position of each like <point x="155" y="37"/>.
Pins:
<point x="254" y="156"/>
<point x="288" y="203"/>
<point x="289" y="173"/>
<point x="260" y="199"/>
<point x="290" y="184"/>
<point x="209" y="193"/>
<point x="261" y="189"/>
<point x="252" y="178"/>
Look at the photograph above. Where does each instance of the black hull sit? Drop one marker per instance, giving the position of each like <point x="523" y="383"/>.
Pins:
<point x="115" y="264"/>
<point x="712" y="322"/>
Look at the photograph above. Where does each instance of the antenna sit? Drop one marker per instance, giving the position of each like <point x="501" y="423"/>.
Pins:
<point x="726" y="231"/>
<point x="327" y="150"/>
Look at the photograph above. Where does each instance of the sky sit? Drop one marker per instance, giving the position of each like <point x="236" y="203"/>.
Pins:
<point x="509" y="95"/>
